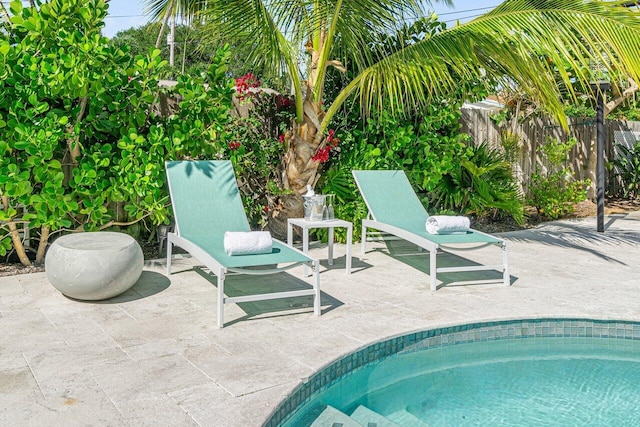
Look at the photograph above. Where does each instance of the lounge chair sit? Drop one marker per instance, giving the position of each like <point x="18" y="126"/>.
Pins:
<point x="394" y="208"/>
<point x="206" y="203"/>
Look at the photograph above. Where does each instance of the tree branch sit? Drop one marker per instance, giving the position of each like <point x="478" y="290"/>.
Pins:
<point x="15" y="237"/>
<point x="74" y="143"/>
<point x="627" y="93"/>
<point x="6" y="15"/>
<point x="337" y="65"/>
<point x="42" y="246"/>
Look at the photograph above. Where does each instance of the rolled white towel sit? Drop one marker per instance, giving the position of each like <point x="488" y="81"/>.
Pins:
<point x="445" y="224"/>
<point x="247" y="242"/>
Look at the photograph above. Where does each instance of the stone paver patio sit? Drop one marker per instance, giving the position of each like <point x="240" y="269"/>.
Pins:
<point x="153" y="355"/>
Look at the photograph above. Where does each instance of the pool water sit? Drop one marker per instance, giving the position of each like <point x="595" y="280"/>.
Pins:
<point x="547" y="381"/>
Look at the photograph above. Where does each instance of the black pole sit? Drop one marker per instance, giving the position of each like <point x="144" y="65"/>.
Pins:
<point x="600" y="88"/>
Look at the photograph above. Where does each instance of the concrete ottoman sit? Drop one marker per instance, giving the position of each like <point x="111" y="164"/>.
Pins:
<point x="94" y="266"/>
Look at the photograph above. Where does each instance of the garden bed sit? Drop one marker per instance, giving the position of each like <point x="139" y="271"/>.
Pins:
<point x="11" y="267"/>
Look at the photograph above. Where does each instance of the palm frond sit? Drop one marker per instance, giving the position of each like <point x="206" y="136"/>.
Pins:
<point x="516" y="43"/>
<point x="339" y="182"/>
<point x="188" y="9"/>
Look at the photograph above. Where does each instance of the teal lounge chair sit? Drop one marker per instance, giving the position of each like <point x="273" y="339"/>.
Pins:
<point x="206" y="203"/>
<point x="394" y="208"/>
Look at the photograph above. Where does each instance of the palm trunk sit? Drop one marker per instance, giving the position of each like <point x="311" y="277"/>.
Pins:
<point x="164" y="25"/>
<point x="299" y="168"/>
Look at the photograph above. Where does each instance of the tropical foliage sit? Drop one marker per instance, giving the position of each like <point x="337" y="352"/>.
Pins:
<point x="482" y="184"/>
<point x="628" y="164"/>
<point x="519" y="43"/>
<point x="256" y="146"/>
<point x="189" y="59"/>
<point x="82" y="139"/>
<point x="427" y="146"/>
<point x="191" y="56"/>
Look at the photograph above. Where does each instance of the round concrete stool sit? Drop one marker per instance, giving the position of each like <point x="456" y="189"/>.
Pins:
<point x="94" y="266"/>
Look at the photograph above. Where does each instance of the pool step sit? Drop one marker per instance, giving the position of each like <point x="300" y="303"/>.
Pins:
<point x="369" y="418"/>
<point x="331" y="417"/>
<point x="406" y="418"/>
<point x="361" y="417"/>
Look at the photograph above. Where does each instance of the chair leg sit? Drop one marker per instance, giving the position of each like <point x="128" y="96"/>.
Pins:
<point x="505" y="259"/>
<point x="432" y="270"/>
<point x="363" y="245"/>
<point x="169" y="248"/>
<point x="220" y="299"/>
<point x="317" y="306"/>
<point x="349" y="238"/>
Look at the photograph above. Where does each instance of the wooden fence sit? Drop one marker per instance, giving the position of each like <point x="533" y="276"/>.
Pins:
<point x="535" y="131"/>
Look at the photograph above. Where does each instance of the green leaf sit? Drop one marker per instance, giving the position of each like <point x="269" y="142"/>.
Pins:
<point x="16" y="19"/>
<point x="21" y="145"/>
<point x="15" y="7"/>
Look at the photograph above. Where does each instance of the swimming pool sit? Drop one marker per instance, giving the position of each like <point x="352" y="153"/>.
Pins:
<point x="519" y="372"/>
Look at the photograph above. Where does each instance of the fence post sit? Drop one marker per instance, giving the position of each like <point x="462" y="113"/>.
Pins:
<point x="600" y="87"/>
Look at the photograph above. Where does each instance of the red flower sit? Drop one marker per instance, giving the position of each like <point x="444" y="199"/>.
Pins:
<point x="266" y="208"/>
<point x="281" y="139"/>
<point x="322" y="155"/>
<point x="283" y="101"/>
<point x="331" y="139"/>
<point x="244" y="83"/>
<point x="234" y="145"/>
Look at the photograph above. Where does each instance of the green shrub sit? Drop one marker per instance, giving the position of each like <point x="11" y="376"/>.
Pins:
<point x="555" y="191"/>
<point x="255" y="148"/>
<point x="483" y="184"/>
<point x="555" y="194"/>
<point x="629" y="166"/>
<point x="512" y="146"/>
<point x="80" y="136"/>
<point x="426" y="148"/>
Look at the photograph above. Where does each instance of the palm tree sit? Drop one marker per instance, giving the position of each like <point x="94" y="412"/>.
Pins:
<point x="166" y="9"/>
<point x="517" y="43"/>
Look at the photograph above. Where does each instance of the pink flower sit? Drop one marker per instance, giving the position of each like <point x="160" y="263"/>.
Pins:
<point x="281" y="139"/>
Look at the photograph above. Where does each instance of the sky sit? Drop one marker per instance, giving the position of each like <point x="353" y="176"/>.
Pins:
<point x="124" y="14"/>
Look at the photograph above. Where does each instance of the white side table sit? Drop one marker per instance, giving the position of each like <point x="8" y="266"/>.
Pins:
<point x="330" y="224"/>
